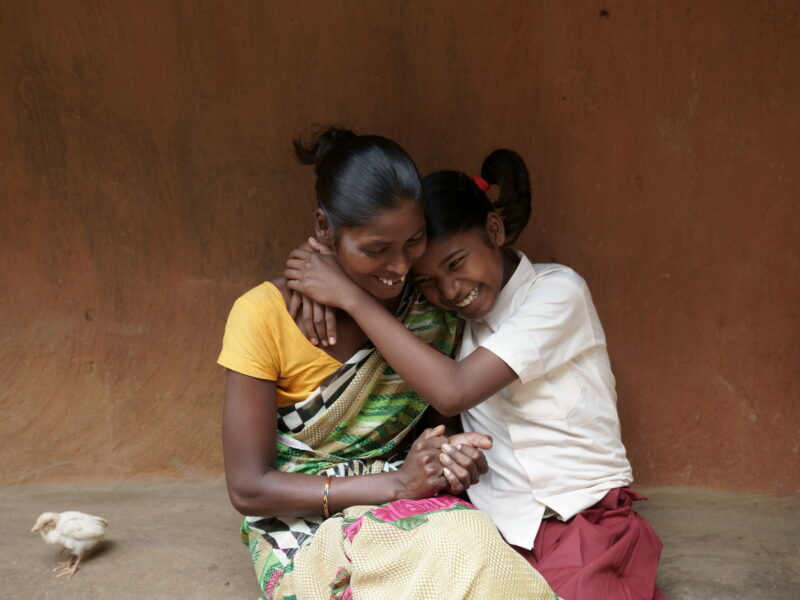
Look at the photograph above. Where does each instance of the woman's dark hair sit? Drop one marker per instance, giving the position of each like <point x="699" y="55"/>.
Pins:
<point x="455" y="203"/>
<point x="358" y="176"/>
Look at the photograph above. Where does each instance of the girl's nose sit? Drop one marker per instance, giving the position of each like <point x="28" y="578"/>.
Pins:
<point x="448" y="288"/>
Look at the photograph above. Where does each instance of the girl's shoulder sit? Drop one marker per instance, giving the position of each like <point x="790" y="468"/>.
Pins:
<point x="553" y="272"/>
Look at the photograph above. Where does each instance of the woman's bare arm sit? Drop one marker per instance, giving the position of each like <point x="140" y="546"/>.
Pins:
<point x="256" y="488"/>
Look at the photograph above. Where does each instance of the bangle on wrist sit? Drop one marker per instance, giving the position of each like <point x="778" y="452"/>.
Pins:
<point x="325" y="510"/>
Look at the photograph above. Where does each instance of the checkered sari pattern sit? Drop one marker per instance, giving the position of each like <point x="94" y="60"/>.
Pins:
<point x="357" y="416"/>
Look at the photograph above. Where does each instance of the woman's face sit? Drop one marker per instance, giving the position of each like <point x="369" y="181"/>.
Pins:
<point x="378" y="256"/>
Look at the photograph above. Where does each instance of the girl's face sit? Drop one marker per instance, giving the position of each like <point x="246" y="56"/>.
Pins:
<point x="379" y="255"/>
<point x="463" y="271"/>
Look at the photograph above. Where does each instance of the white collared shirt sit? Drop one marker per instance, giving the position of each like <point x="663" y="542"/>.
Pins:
<point x="557" y="445"/>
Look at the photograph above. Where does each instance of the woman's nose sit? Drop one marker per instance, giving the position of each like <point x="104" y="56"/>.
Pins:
<point x="400" y="264"/>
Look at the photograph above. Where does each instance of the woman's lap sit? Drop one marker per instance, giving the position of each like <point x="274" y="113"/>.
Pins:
<point x="434" y="548"/>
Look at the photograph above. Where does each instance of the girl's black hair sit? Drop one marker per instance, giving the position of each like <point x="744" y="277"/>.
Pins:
<point x="358" y="176"/>
<point x="455" y="203"/>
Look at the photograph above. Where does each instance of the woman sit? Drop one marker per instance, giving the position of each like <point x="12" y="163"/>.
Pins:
<point x="342" y="413"/>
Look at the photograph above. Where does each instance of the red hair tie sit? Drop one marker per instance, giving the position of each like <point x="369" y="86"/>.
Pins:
<point x="482" y="184"/>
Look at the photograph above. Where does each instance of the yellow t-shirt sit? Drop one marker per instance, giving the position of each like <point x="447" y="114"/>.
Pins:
<point x="261" y="340"/>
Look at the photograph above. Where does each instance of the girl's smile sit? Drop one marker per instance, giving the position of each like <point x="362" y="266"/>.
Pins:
<point x="465" y="271"/>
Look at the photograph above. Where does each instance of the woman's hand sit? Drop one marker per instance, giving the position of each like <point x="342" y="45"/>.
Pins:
<point x="421" y="475"/>
<point x="319" y="277"/>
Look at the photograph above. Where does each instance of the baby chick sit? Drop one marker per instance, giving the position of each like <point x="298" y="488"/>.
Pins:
<point x="75" y="531"/>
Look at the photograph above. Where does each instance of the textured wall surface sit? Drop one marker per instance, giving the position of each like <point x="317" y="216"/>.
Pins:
<point x="146" y="180"/>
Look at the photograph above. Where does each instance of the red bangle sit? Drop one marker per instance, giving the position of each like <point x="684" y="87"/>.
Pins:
<point x="325" y="512"/>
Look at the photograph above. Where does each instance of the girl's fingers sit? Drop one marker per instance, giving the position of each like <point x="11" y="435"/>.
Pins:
<point x="472" y="459"/>
<point x="463" y="473"/>
<point x="308" y="322"/>
<point x="452" y="481"/>
<point x="318" y="322"/>
<point x="330" y="324"/>
<point x="453" y="456"/>
<point x="299" y="253"/>
<point x="293" y="276"/>
<point x="295" y="300"/>
<point x="296" y="263"/>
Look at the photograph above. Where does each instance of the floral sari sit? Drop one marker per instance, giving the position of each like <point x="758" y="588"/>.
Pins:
<point x="431" y="548"/>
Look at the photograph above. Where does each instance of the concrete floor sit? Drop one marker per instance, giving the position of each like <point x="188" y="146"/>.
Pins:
<point x="172" y="540"/>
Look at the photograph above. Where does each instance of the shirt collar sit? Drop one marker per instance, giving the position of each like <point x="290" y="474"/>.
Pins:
<point x="504" y="305"/>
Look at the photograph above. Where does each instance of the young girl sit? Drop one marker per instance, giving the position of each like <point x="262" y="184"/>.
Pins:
<point x="532" y="371"/>
<point x="313" y="438"/>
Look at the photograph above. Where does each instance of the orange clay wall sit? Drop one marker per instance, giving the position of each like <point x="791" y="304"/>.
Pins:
<point x="147" y="179"/>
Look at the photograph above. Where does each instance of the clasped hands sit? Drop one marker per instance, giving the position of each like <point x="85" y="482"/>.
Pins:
<point x="439" y="463"/>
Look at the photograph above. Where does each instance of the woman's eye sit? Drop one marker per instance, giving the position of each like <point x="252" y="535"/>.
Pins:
<point x="415" y="240"/>
<point x="374" y="253"/>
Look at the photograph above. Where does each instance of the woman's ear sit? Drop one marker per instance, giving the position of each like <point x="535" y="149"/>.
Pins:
<point x="322" y="229"/>
<point x="495" y="230"/>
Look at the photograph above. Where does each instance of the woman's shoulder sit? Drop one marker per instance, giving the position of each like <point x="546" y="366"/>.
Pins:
<point x="270" y="294"/>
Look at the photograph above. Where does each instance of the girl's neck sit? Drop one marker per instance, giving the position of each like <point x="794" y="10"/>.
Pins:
<point x="510" y="260"/>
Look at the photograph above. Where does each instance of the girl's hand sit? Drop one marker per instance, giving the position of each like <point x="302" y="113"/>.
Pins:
<point x="463" y="461"/>
<point x="316" y="321"/>
<point x="421" y="475"/>
<point x="319" y="277"/>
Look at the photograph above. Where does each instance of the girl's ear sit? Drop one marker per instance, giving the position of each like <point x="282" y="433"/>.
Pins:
<point x="322" y="229"/>
<point x="495" y="230"/>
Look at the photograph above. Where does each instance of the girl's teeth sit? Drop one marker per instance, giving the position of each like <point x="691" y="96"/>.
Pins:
<point x="468" y="300"/>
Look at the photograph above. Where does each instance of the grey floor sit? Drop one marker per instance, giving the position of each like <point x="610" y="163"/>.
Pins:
<point x="172" y="540"/>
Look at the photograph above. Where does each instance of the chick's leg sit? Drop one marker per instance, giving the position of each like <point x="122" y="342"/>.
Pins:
<point x="64" y="565"/>
<point x="68" y="568"/>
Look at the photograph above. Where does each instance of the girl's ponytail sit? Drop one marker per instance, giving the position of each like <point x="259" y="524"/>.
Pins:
<point x="507" y="170"/>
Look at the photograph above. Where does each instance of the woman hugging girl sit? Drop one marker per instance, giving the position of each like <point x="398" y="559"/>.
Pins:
<point x="531" y="371"/>
<point x="316" y="440"/>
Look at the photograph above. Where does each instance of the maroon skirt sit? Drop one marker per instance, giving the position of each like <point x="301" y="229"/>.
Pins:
<point x="606" y="552"/>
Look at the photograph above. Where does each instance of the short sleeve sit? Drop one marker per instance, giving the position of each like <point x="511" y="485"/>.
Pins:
<point x="248" y="346"/>
<point x="549" y="327"/>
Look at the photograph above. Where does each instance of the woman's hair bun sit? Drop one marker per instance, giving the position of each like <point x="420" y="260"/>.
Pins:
<point x="314" y="151"/>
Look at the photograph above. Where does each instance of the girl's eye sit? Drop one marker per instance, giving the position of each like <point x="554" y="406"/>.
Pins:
<point x="374" y="253"/>
<point x="457" y="262"/>
<point x="415" y="240"/>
